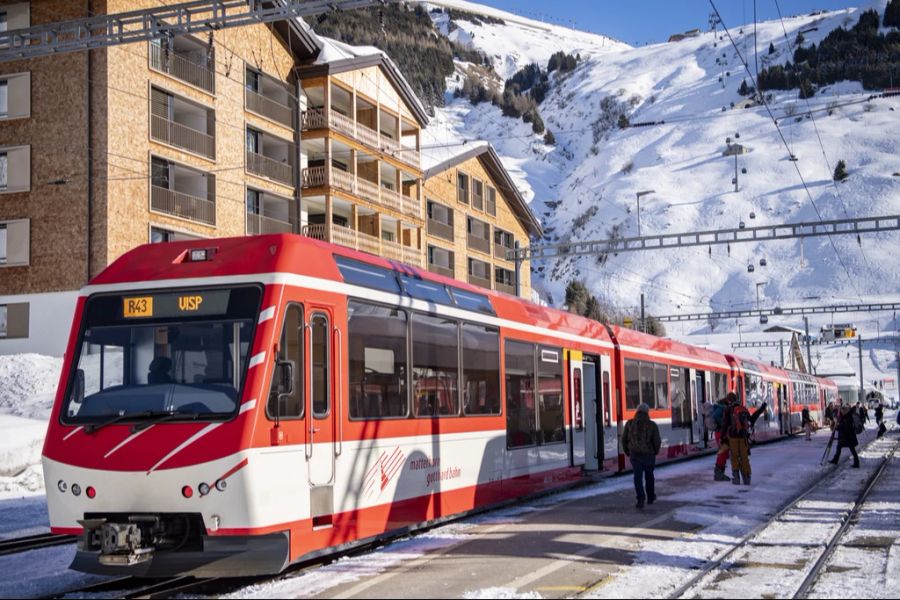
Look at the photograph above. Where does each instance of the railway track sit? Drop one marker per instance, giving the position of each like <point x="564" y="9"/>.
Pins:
<point x="33" y="542"/>
<point x="785" y="546"/>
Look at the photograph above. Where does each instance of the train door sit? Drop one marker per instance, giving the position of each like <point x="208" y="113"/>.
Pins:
<point x="577" y="441"/>
<point x="610" y="429"/>
<point x="593" y="422"/>
<point x="702" y="396"/>
<point x="784" y="409"/>
<point x="321" y="441"/>
<point x="696" y="418"/>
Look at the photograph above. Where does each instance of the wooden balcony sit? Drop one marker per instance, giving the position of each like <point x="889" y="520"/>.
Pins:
<point x="357" y="240"/>
<point x="321" y="118"/>
<point x="441" y="270"/>
<point x="500" y="251"/>
<point x="367" y="190"/>
<point x="264" y="166"/>
<point x="182" y="136"/>
<point x="440" y="229"/>
<point x="505" y="288"/>
<point x="182" y="205"/>
<point x="260" y="224"/>
<point x="477" y="243"/>
<point x="480" y="281"/>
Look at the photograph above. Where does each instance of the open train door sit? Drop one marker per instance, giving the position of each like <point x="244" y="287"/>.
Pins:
<point x="784" y="409"/>
<point x="577" y="440"/>
<point x="601" y="434"/>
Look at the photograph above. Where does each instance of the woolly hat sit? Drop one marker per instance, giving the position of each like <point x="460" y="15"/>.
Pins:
<point x="845" y="408"/>
<point x="644" y="408"/>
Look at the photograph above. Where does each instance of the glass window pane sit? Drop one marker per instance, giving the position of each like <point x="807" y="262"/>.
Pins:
<point x="3" y="170"/>
<point x="376" y="340"/>
<point x="520" y="406"/>
<point x="435" y="366"/>
<point x="681" y="404"/>
<point x="481" y="369"/>
<point x="632" y="384"/>
<point x="427" y="290"/>
<point x="289" y="406"/>
<point x="359" y="273"/>
<point x="550" y="381"/>
<point x="319" y="351"/>
<point x="647" y="391"/>
<point x="471" y="301"/>
<point x="662" y="386"/>
<point x="4" y="98"/>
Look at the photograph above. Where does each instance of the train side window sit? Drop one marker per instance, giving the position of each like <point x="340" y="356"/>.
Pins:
<point x="550" y="392"/>
<point x="681" y="406"/>
<point x="376" y="344"/>
<point x="661" y="379"/>
<point x="607" y="400"/>
<point x="521" y="417"/>
<point x="290" y="349"/>
<point x="632" y="384"/>
<point x="435" y="366"/>
<point x="647" y="388"/>
<point x="481" y="369"/>
<point x="319" y="365"/>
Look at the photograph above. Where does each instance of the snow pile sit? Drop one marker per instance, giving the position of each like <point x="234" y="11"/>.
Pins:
<point x="585" y="186"/>
<point x="27" y="388"/>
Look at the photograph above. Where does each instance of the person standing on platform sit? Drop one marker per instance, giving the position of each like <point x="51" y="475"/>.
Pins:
<point x="806" y="423"/>
<point x="738" y="427"/>
<point x="641" y="443"/>
<point x="846" y="430"/>
<point x="719" y="413"/>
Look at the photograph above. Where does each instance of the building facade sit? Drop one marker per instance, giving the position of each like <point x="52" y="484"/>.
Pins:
<point x="475" y="216"/>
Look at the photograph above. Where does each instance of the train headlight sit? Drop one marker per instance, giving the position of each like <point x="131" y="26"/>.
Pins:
<point x="76" y="489"/>
<point x="187" y="492"/>
<point x="61" y="486"/>
<point x="221" y="485"/>
<point x="203" y="488"/>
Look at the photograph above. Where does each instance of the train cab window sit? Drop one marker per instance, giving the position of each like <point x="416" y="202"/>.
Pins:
<point x="376" y="344"/>
<point x="319" y="365"/>
<point x="661" y="385"/>
<point x="435" y="366"/>
<point x="481" y="369"/>
<point x="681" y="404"/>
<point x="632" y="384"/>
<point x="289" y="406"/>
<point x="550" y="396"/>
<point x="521" y="417"/>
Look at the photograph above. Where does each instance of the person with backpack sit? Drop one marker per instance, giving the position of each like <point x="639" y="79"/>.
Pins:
<point x="718" y="413"/>
<point x="806" y="423"/>
<point x="641" y="443"/>
<point x="738" y="428"/>
<point x="846" y="430"/>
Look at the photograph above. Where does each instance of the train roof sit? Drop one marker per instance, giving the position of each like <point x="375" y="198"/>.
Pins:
<point x="760" y="367"/>
<point x="291" y="254"/>
<point x="645" y="341"/>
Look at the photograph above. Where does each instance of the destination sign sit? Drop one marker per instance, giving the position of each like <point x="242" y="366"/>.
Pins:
<point x="181" y="304"/>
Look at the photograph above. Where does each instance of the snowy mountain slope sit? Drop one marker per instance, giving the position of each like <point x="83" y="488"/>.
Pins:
<point x="585" y="187"/>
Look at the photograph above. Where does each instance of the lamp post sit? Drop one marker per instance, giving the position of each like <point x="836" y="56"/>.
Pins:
<point x="639" y="194"/>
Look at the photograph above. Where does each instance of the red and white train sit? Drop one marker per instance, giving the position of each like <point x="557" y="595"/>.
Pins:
<point x="229" y="407"/>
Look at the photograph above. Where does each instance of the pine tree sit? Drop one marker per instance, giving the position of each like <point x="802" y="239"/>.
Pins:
<point x="623" y="121"/>
<point x="549" y="138"/>
<point x="806" y="89"/>
<point x="771" y="48"/>
<point x="892" y="14"/>
<point x="745" y="90"/>
<point x="840" y="171"/>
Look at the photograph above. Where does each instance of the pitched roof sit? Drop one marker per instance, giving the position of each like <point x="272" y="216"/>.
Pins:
<point x="338" y="57"/>
<point x="491" y="161"/>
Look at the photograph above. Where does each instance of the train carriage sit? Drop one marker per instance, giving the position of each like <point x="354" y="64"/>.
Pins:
<point x="762" y="383"/>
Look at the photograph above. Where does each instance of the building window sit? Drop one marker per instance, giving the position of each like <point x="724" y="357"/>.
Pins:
<point x="15" y="243"/>
<point x="477" y="194"/>
<point x="504" y="277"/>
<point x="14" y="320"/>
<point x="440" y="213"/>
<point x="462" y="189"/>
<point x="15" y="169"/>
<point x="253" y="141"/>
<point x="160" y="172"/>
<point x="4" y="98"/>
<point x="253" y="202"/>
<point x="440" y="261"/>
<point x="3" y="25"/>
<point x="491" y="201"/>
<point x="253" y="80"/>
<point x="159" y="235"/>
<point x="4" y="166"/>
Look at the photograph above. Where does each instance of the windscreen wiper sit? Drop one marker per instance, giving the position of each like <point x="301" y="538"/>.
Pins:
<point x="161" y="417"/>
<point x="156" y="416"/>
<point x="94" y="427"/>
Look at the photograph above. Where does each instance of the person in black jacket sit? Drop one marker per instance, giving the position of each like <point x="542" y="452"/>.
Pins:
<point x="641" y="443"/>
<point x="846" y="435"/>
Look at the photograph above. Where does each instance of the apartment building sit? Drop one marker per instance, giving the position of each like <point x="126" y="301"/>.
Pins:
<point x="101" y="151"/>
<point x="475" y="216"/>
<point x="362" y="187"/>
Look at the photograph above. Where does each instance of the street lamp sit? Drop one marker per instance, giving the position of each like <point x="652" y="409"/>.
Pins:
<point x="639" y="194"/>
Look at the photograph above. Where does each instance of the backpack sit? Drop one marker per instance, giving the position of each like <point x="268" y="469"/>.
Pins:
<point x="857" y="423"/>
<point x="740" y="422"/>
<point x="718" y="413"/>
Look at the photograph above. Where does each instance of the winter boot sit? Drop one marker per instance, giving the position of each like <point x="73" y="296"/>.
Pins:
<point x="856" y="464"/>
<point x="736" y="477"/>
<point x="720" y="474"/>
<point x="746" y="479"/>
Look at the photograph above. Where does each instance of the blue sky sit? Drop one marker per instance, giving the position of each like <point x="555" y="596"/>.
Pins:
<point x="642" y="21"/>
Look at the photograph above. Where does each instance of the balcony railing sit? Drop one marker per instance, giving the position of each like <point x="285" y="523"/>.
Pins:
<point x="183" y="205"/>
<point x="179" y="67"/>
<point x="480" y="244"/>
<point x="257" y="224"/>
<point x="363" y="188"/>
<point x="368" y="190"/>
<point x="441" y="230"/>
<point x="264" y="166"/>
<point x="506" y="288"/>
<point x="441" y="270"/>
<point x="314" y="177"/>
<point x="182" y="136"/>
<point x="480" y="281"/>
<point x="319" y="118"/>
<point x="364" y="242"/>
<point x="500" y="251"/>
<point x="269" y="108"/>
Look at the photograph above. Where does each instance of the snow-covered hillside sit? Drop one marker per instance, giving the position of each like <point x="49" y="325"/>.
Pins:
<point x="585" y="186"/>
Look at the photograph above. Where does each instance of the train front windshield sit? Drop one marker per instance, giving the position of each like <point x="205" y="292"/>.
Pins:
<point x="172" y="355"/>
